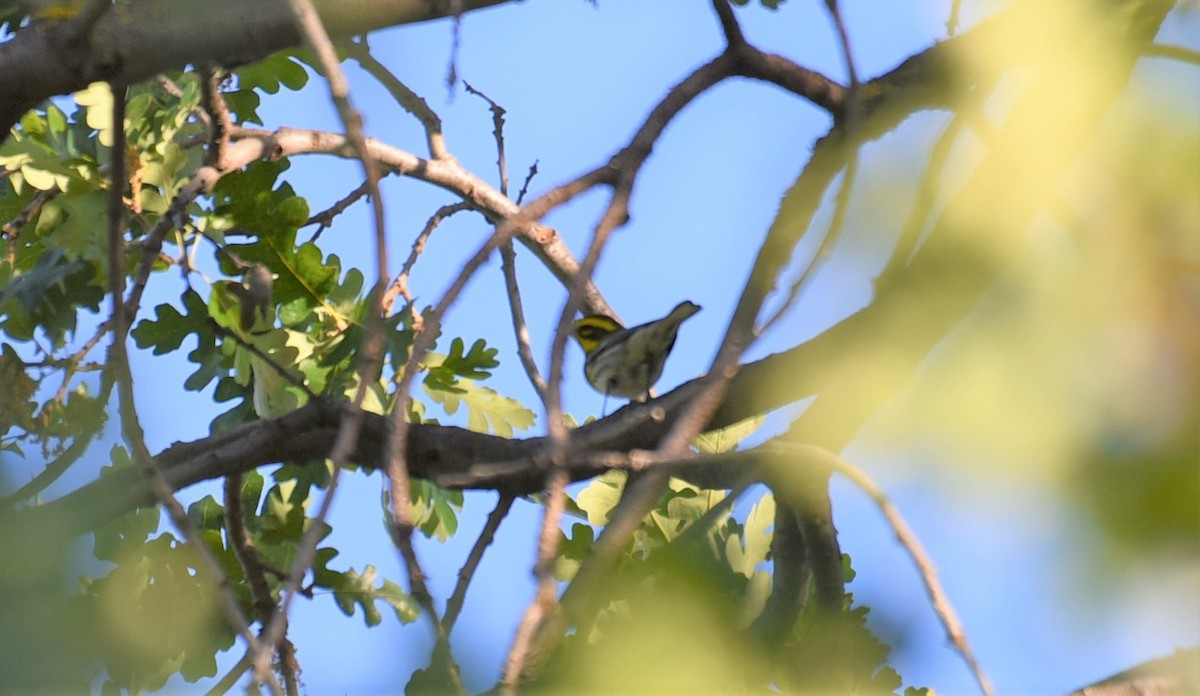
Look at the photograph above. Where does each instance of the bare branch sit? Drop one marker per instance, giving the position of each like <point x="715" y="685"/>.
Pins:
<point x="1180" y="53"/>
<point x="399" y="286"/>
<point x="254" y="573"/>
<point x="508" y="265"/>
<point x="217" y="112"/>
<point x="729" y="23"/>
<point x="545" y="601"/>
<point x="533" y="170"/>
<point x="486" y="536"/>
<point x="832" y="234"/>
<point x="952" y="19"/>
<point x="497" y="132"/>
<point x="926" y="194"/>
<point x="543" y="241"/>
<point x="409" y="100"/>
<point x="325" y="218"/>
<point x="508" y="255"/>
<point x="844" y="40"/>
<point x="910" y="542"/>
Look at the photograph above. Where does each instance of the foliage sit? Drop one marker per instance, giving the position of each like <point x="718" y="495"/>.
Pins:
<point x="154" y="608"/>
<point x="681" y="609"/>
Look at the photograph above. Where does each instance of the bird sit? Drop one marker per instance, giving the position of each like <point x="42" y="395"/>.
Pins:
<point x="627" y="362"/>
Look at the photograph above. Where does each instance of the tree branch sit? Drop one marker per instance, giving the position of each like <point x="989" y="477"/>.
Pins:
<point x="144" y="39"/>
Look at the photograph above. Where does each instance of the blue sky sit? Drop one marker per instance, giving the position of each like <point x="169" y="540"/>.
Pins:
<point x="576" y="82"/>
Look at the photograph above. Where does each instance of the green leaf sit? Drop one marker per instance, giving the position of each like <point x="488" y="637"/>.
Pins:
<point x="445" y="370"/>
<point x="435" y="509"/>
<point x="97" y="100"/>
<point x="159" y="588"/>
<point x="243" y="104"/>
<point x="727" y="439"/>
<point x="165" y="333"/>
<point x="473" y="363"/>
<point x="40" y="162"/>
<point x="573" y="550"/>
<point x="283" y="514"/>
<point x="16" y="404"/>
<point x="168" y="168"/>
<point x="758" y="532"/>
<point x="682" y="507"/>
<point x="487" y="411"/>
<point x="279" y="69"/>
<point x="601" y="496"/>
<point x="252" y="488"/>
<point x="207" y="514"/>
<point x="48" y="297"/>
<point x="76" y="230"/>
<point x="352" y="589"/>
<point x="212" y="366"/>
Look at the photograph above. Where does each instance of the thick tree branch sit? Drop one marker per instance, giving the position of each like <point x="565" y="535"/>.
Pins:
<point x="144" y="39"/>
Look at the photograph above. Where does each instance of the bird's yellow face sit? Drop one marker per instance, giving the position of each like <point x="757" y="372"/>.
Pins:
<point x="591" y="330"/>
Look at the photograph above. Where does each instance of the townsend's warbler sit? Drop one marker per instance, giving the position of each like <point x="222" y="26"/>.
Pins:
<point x="627" y="362"/>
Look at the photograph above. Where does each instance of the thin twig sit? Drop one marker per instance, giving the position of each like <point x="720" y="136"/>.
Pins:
<point x="243" y="548"/>
<point x="456" y="7"/>
<point x="254" y="573"/>
<point x="833" y="233"/>
<point x="1180" y="53"/>
<point x="202" y="182"/>
<point x="508" y="265"/>
<point x="399" y="286"/>
<point x="455" y="604"/>
<point x="533" y="170"/>
<point x="12" y="228"/>
<point x="169" y="86"/>
<point x="395" y="455"/>
<point x="409" y="100"/>
<point x="844" y="40"/>
<point x="282" y="371"/>
<point x="838" y="220"/>
<point x="641" y="495"/>
<point x="557" y="479"/>
<point x="219" y="121"/>
<point x="924" y="199"/>
<point x="55" y="469"/>
<point x="952" y="19"/>
<point x="508" y="255"/>
<point x="325" y="218"/>
<point x="497" y="132"/>
<point x="544" y="241"/>
<point x="545" y="600"/>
